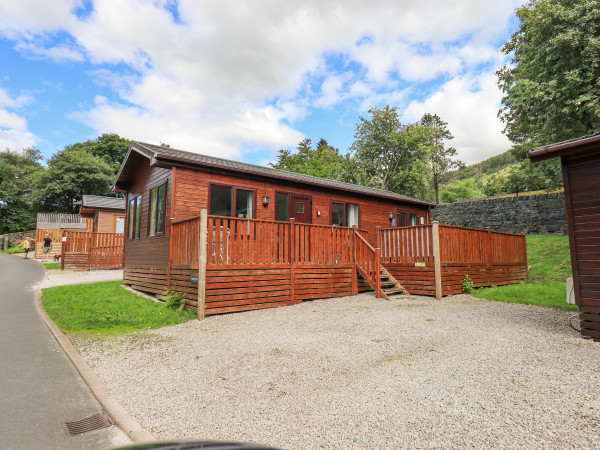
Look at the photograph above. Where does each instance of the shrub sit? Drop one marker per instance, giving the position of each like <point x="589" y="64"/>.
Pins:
<point x="174" y="299"/>
<point x="467" y="284"/>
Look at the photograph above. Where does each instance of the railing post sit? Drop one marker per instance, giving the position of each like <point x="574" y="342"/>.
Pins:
<point x="63" y="240"/>
<point x="292" y="257"/>
<point x="488" y="251"/>
<point x="378" y="265"/>
<point x="437" y="265"/>
<point x="354" y="269"/>
<point x="202" y="255"/>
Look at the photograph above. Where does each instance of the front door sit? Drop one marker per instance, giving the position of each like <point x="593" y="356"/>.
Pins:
<point x="300" y="209"/>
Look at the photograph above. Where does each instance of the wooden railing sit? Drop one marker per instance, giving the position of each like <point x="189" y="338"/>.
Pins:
<point x="367" y="262"/>
<point x="474" y="245"/>
<point x="184" y="241"/>
<point x="457" y="245"/>
<point x="247" y="241"/>
<point x="91" y="251"/>
<point x="406" y="244"/>
<point x="322" y="244"/>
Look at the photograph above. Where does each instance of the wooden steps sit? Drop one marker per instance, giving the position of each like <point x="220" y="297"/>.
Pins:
<point x="389" y="285"/>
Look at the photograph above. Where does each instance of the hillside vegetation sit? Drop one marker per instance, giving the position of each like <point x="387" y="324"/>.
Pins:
<point x="507" y="173"/>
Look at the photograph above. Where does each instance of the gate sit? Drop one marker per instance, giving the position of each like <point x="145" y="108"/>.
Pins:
<point x="91" y="251"/>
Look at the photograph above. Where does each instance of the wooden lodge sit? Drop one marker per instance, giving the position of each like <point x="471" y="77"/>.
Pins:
<point x="580" y="160"/>
<point x="232" y="236"/>
<point x="106" y="213"/>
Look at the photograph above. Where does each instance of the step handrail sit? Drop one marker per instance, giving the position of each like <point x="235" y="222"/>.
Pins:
<point x="367" y="263"/>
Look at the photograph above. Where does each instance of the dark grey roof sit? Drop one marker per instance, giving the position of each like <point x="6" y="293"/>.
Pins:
<point x="165" y="153"/>
<point x="96" y="201"/>
<point x="558" y="148"/>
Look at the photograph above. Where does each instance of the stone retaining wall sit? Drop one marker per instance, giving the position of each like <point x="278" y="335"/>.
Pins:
<point x="540" y="213"/>
<point x="20" y="235"/>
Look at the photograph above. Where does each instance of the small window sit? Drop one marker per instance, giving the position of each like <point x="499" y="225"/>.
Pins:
<point x="282" y="207"/>
<point x="119" y="225"/>
<point x="135" y="215"/>
<point x="300" y="208"/>
<point x="337" y="214"/>
<point x="223" y="199"/>
<point x="401" y="219"/>
<point x="413" y="219"/>
<point x="157" y="210"/>
<point x="344" y="214"/>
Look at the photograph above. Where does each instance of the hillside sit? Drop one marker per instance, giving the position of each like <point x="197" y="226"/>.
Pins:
<point x="502" y="174"/>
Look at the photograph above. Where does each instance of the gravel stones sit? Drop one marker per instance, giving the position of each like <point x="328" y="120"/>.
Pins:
<point x="361" y="372"/>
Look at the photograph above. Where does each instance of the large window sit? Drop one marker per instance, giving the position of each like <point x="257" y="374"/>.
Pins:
<point x="135" y="216"/>
<point x="344" y="214"/>
<point x="231" y="201"/>
<point x="157" y="210"/>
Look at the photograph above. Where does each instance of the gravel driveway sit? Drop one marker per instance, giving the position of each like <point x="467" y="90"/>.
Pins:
<point x="359" y="372"/>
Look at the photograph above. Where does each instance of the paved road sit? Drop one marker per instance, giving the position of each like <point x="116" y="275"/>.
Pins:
<point x="39" y="387"/>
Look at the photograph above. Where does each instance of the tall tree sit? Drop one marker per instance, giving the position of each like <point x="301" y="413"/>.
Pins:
<point x="111" y="148"/>
<point x="324" y="161"/>
<point x="385" y="150"/>
<point x="17" y="174"/>
<point x="552" y="82"/>
<point x="71" y="173"/>
<point x="438" y="156"/>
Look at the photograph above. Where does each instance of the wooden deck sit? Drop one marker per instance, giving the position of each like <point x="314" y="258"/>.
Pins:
<point x="255" y="264"/>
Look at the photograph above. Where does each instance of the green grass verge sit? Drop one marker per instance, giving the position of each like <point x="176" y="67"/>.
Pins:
<point x="52" y="265"/>
<point x="107" y="309"/>
<point x="545" y="285"/>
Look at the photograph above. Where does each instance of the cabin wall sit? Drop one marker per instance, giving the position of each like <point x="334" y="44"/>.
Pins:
<point x="146" y="260"/>
<point x="582" y="193"/>
<point x="106" y="221"/>
<point x="192" y="189"/>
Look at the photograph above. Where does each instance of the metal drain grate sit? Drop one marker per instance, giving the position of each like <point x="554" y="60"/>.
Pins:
<point x="91" y="423"/>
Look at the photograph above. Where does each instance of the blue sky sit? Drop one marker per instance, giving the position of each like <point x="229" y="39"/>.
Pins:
<point x="242" y="79"/>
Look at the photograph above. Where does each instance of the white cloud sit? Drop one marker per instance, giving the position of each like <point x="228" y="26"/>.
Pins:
<point x="233" y="73"/>
<point x="469" y="104"/>
<point x="14" y="133"/>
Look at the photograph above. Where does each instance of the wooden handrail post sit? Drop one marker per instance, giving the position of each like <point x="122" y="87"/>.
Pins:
<point x="63" y="241"/>
<point x="202" y="256"/>
<point x="292" y="257"/>
<point x="378" y="264"/>
<point x="354" y="263"/>
<point x="437" y="264"/>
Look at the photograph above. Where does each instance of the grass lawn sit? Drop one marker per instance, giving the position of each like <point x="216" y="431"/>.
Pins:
<point x="107" y="309"/>
<point x="545" y="285"/>
<point x="52" y="265"/>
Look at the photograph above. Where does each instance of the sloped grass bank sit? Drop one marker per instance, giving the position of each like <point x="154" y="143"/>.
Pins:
<point x="106" y="308"/>
<point x="545" y="285"/>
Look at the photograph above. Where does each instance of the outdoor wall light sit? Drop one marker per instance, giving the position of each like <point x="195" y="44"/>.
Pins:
<point x="265" y="200"/>
<point x="391" y="215"/>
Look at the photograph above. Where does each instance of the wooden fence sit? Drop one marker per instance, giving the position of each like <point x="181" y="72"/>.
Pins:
<point x="83" y="250"/>
<point x="487" y="257"/>
<point x="254" y="264"/>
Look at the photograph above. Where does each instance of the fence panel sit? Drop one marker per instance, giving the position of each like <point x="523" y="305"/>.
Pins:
<point x="322" y="244"/>
<point x="184" y="242"/>
<point x="92" y="251"/>
<point x="366" y="259"/>
<point x="236" y="241"/>
<point x="508" y="249"/>
<point x="406" y="244"/>
<point x="464" y="245"/>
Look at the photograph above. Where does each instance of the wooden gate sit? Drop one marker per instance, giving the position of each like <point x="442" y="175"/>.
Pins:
<point x="91" y="251"/>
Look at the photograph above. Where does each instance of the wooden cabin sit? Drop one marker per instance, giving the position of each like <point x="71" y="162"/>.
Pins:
<point x="106" y="213"/>
<point x="164" y="186"/>
<point x="580" y="159"/>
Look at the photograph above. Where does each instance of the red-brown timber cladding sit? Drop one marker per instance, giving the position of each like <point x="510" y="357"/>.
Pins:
<point x="146" y="260"/>
<point x="582" y="195"/>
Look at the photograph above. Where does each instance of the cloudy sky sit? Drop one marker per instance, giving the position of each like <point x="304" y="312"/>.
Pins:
<point x="241" y="79"/>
